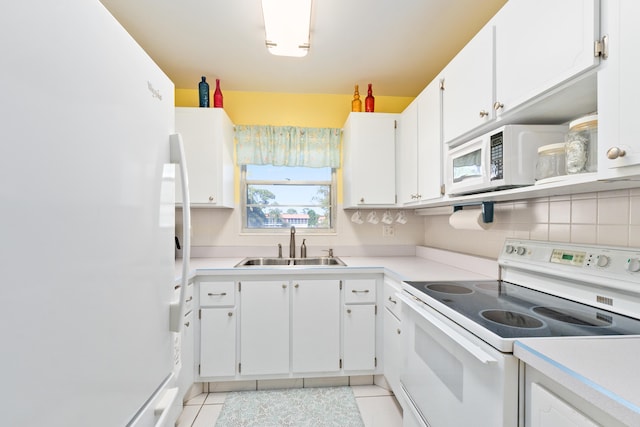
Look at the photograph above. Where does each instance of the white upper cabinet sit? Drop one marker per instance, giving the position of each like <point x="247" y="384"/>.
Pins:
<point x="540" y="45"/>
<point x="467" y="102"/>
<point x="419" y="162"/>
<point x="207" y="134"/>
<point x="528" y="64"/>
<point x="369" y="159"/>
<point x="619" y="91"/>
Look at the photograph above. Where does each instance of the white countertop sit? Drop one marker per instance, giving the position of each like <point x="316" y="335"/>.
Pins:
<point x="603" y="370"/>
<point x="428" y="264"/>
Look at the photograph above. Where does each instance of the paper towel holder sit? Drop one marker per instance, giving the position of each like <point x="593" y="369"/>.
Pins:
<point x="487" y="209"/>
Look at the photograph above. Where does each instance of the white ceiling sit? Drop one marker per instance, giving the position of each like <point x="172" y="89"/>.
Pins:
<point x="397" y="45"/>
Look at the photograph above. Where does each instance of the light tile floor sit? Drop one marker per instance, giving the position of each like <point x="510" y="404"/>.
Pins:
<point x="377" y="406"/>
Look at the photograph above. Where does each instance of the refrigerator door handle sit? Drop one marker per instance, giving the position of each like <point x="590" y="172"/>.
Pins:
<point x="178" y="157"/>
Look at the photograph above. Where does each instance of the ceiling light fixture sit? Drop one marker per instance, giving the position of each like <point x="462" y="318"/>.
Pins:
<point x="286" y="24"/>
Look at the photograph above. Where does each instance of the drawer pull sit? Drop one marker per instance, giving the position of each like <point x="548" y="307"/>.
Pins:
<point x="186" y="324"/>
<point x="189" y="299"/>
<point x="366" y="291"/>
<point x="217" y="295"/>
<point x="392" y="300"/>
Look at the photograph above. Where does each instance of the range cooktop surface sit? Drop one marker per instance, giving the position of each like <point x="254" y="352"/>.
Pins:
<point x="512" y="311"/>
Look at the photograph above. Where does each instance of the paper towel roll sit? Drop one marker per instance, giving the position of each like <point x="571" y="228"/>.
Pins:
<point x="468" y="219"/>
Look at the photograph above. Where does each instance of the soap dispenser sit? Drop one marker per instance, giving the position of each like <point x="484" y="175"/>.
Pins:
<point x="303" y="249"/>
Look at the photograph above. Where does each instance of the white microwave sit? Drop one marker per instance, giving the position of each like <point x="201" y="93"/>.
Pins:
<point x="503" y="158"/>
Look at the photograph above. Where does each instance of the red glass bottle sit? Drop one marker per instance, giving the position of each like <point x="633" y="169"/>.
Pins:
<point x="369" y="101"/>
<point x="217" y="96"/>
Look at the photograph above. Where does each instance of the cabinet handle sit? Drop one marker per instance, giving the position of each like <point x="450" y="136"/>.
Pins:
<point x="217" y="295"/>
<point x="498" y="105"/>
<point x="297" y="285"/>
<point x="392" y="300"/>
<point x="230" y="313"/>
<point x="398" y="330"/>
<point x="187" y="324"/>
<point x="360" y="292"/>
<point x="211" y="198"/>
<point x="483" y="113"/>
<point x="361" y="199"/>
<point x="189" y="299"/>
<point x="349" y="311"/>
<point x="284" y="286"/>
<point x="615" y="152"/>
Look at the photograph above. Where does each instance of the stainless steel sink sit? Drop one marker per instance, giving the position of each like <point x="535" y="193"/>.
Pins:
<point x="291" y="262"/>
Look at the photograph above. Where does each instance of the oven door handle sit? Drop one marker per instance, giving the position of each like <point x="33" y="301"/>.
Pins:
<point x="471" y="348"/>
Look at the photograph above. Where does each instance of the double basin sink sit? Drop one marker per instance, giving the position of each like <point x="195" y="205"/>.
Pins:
<point x="292" y="262"/>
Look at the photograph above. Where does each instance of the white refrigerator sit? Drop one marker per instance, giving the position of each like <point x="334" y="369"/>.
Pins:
<point x="86" y="222"/>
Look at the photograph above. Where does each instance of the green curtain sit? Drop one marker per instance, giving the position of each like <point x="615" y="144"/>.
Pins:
<point x="288" y="146"/>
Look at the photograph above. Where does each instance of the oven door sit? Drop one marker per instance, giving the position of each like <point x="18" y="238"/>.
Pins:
<point x="467" y="169"/>
<point x="452" y="378"/>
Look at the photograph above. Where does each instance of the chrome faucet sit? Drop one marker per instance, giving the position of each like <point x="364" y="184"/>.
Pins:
<point x="292" y="243"/>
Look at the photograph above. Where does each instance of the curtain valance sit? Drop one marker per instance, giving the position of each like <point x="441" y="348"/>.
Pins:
<point x="288" y="146"/>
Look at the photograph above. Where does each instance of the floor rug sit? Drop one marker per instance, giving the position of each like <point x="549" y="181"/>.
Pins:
<point x="296" y="407"/>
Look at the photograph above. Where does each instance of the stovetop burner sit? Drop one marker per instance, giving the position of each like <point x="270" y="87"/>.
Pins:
<point x="446" y="288"/>
<point x="512" y="319"/>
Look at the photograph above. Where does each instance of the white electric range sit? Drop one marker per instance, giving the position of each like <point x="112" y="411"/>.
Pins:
<point x="460" y="367"/>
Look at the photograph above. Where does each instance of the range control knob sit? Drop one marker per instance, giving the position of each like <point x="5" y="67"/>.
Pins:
<point x="633" y="265"/>
<point x="509" y="249"/>
<point x="521" y="250"/>
<point x="603" y="261"/>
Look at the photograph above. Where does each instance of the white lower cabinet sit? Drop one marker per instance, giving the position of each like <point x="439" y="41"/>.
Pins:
<point x="217" y="316"/>
<point x="359" y="337"/>
<point x="218" y="343"/>
<point x="315" y="326"/>
<point x="264" y="327"/>
<point x="393" y="338"/>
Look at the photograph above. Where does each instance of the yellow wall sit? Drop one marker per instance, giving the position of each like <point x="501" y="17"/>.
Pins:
<point x="285" y="109"/>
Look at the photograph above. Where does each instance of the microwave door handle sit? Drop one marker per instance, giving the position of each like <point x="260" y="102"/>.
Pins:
<point x="471" y="348"/>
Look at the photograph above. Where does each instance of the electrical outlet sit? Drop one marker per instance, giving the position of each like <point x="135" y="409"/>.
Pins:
<point x="388" y="231"/>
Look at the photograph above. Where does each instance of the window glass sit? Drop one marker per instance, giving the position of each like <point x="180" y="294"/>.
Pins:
<point x="278" y="197"/>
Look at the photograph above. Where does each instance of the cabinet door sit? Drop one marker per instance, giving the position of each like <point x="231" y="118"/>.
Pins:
<point x="548" y="410"/>
<point x="207" y="134"/>
<point x="316" y="326"/>
<point x="541" y="44"/>
<point x="430" y="142"/>
<point x="619" y="91"/>
<point x="467" y="101"/>
<point x="369" y="160"/>
<point x="264" y="327"/>
<point x="407" y="159"/>
<point x="217" y="342"/>
<point x="359" y="337"/>
<point x="392" y="350"/>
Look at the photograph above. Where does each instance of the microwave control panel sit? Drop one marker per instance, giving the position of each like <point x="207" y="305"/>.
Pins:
<point x="497" y="155"/>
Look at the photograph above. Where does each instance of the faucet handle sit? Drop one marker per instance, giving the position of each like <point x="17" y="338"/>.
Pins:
<point x="279" y="250"/>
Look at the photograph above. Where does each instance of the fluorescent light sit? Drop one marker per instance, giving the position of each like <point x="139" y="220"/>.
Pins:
<point x="287" y="25"/>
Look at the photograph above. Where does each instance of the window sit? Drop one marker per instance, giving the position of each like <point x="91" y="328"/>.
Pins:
<point x="278" y="197"/>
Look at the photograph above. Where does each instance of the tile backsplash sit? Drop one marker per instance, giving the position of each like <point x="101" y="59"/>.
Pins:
<point x="606" y="218"/>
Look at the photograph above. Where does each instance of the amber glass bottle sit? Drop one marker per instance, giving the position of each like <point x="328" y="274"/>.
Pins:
<point x="369" y="101"/>
<point x="356" y="104"/>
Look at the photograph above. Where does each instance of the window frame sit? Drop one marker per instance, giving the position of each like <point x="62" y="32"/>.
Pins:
<point x="244" y="186"/>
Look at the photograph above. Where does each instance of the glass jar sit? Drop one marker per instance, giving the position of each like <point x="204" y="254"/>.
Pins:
<point x="582" y="145"/>
<point x="551" y="161"/>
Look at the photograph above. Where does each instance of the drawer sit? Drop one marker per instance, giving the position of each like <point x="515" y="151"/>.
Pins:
<point x="217" y="294"/>
<point x="359" y="291"/>
<point x="391" y="301"/>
